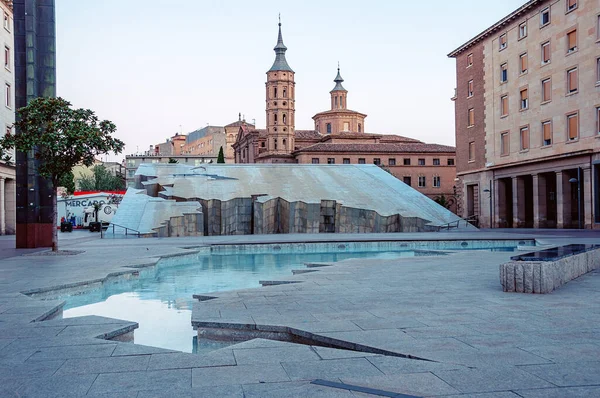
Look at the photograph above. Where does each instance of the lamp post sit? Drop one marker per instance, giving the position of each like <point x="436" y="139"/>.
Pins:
<point x="578" y="182"/>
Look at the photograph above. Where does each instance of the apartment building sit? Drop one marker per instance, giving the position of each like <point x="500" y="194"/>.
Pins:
<point x="7" y="119"/>
<point x="527" y="119"/>
<point x="132" y="162"/>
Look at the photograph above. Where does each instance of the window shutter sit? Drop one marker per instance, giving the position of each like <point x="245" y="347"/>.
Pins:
<point x="572" y="3"/>
<point x="573" y="80"/>
<point x="523" y="62"/>
<point x="504" y="109"/>
<point x="572" y="37"/>
<point x="524" y="138"/>
<point x="546" y="52"/>
<point x="573" y="125"/>
<point x="547" y="131"/>
<point x="523" y="95"/>
<point x="547" y="90"/>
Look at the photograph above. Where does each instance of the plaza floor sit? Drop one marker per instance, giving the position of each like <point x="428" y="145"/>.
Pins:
<point x="449" y="310"/>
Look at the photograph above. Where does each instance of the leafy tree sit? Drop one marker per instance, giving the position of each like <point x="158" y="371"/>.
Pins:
<point x="221" y="156"/>
<point x="172" y="161"/>
<point x="60" y="138"/>
<point x="100" y="180"/>
<point x="443" y="201"/>
<point x="68" y="182"/>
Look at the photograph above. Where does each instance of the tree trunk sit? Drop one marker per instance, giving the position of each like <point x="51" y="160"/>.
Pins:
<point x="54" y="218"/>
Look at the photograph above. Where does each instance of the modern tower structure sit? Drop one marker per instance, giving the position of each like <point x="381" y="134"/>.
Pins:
<point x="35" y="76"/>
<point x="280" y="108"/>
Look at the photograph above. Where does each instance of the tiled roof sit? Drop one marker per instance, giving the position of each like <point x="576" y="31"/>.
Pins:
<point x="397" y="138"/>
<point x="307" y="135"/>
<point x="378" y="148"/>
<point x="240" y="123"/>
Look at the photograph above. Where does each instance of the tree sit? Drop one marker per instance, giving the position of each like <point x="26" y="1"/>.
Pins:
<point x="60" y="138"/>
<point x="221" y="157"/>
<point x="68" y="182"/>
<point x="100" y="180"/>
<point x="443" y="201"/>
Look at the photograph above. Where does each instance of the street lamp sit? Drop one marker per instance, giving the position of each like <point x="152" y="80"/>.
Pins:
<point x="577" y="181"/>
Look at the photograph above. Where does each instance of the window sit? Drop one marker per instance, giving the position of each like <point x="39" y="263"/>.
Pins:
<point x="571" y="5"/>
<point x="346" y="161"/>
<point x="503" y="73"/>
<point x="502" y="43"/>
<point x="598" y="120"/>
<point x="407" y="181"/>
<point x="315" y="160"/>
<point x="8" y="96"/>
<point x="546" y="90"/>
<point x="346" y="126"/>
<point x="275" y="92"/>
<point x="471" y="151"/>
<point x="504" y="144"/>
<point x="523" y="62"/>
<point x="573" y="126"/>
<point x="330" y="160"/>
<point x="450" y="162"/>
<point x="361" y="161"/>
<point x="284" y="93"/>
<point x="407" y="161"/>
<point x="275" y="143"/>
<point x="523" y="30"/>
<point x="471" y="121"/>
<point x="571" y="41"/>
<point x="131" y="173"/>
<point x="598" y="28"/>
<point x="598" y="70"/>
<point x="469" y="60"/>
<point x="545" y="53"/>
<point x="359" y="128"/>
<point x="275" y="118"/>
<point x="422" y="181"/>
<point x="524" y="99"/>
<point x="437" y="182"/>
<point x="328" y="128"/>
<point x="6" y="21"/>
<point x="547" y="133"/>
<point x="377" y="161"/>
<point x="572" y="82"/>
<point x="7" y="57"/>
<point x="470" y="88"/>
<point x="421" y="162"/>
<point x="504" y="105"/>
<point x="283" y="118"/>
<point x="335" y="105"/>
<point x="545" y="17"/>
<point x="524" y="136"/>
<point x="436" y="162"/>
<point x="391" y="161"/>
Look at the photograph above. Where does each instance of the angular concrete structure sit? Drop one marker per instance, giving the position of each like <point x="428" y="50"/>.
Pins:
<point x="278" y="198"/>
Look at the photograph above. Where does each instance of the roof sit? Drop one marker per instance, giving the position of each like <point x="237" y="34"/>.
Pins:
<point x="378" y="148"/>
<point x="338" y="111"/>
<point x="239" y="123"/>
<point x="280" y="61"/>
<point x="307" y="135"/>
<point x="338" y="82"/>
<point x="503" y="22"/>
<point x="397" y="138"/>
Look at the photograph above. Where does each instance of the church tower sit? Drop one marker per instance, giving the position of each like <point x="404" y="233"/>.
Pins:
<point x="339" y="94"/>
<point x="280" y="108"/>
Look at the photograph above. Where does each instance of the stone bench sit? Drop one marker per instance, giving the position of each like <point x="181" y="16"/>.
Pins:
<point x="546" y="270"/>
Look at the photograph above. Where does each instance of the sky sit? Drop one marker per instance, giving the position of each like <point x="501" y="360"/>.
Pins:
<point x="160" y="67"/>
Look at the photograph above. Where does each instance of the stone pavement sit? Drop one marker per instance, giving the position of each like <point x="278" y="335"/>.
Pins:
<point x="479" y="341"/>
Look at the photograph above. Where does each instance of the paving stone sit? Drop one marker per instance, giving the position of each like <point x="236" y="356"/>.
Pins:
<point x="334" y="353"/>
<point x="104" y="365"/>
<point x="378" y="323"/>
<point x="567" y="352"/>
<point x="330" y="369"/>
<point x="242" y="374"/>
<point x="233" y="391"/>
<point x="223" y="357"/>
<point x="497" y="394"/>
<point x="138" y="349"/>
<point x="488" y="380"/>
<point x="567" y="374"/>
<point x="292" y="353"/>
<point x="56" y="386"/>
<point x="293" y="389"/>
<point x="419" y="384"/>
<point x="394" y="365"/>
<point x="568" y="392"/>
<point x="141" y="381"/>
<point x="67" y="352"/>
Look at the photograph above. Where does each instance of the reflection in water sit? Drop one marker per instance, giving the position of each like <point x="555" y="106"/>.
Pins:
<point x="161" y="302"/>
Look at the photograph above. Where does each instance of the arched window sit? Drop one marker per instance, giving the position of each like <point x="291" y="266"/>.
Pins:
<point x="275" y="92"/>
<point x="275" y="143"/>
<point x="342" y="102"/>
<point x="359" y="128"/>
<point x="275" y="118"/>
<point x="283" y="142"/>
<point x="335" y="101"/>
<point x="284" y="93"/>
<point x="284" y="118"/>
<point x="328" y="128"/>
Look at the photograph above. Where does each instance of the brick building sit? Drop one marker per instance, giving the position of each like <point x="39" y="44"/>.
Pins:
<point x="528" y="118"/>
<point x="339" y="138"/>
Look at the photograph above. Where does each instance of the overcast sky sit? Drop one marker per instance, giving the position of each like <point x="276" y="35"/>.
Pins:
<point x="158" y="67"/>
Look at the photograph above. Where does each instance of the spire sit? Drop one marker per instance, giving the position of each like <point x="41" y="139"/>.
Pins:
<point x="338" y="81"/>
<point x="280" y="49"/>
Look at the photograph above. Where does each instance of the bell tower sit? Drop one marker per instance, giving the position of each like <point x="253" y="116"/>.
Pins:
<point x="339" y="94"/>
<point x="280" y="108"/>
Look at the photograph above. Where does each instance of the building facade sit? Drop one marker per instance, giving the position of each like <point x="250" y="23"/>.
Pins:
<point x="7" y="119"/>
<point x="528" y="118"/>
